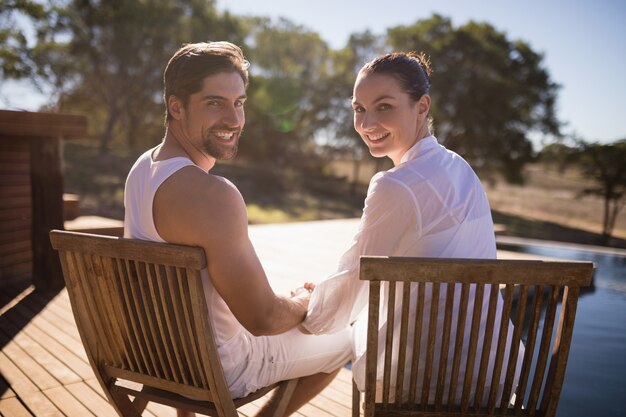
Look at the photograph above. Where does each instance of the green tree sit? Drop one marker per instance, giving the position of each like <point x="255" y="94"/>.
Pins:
<point x="489" y="93"/>
<point x="106" y="58"/>
<point x="361" y="48"/>
<point x="15" y="54"/>
<point x="605" y="163"/>
<point x="287" y="104"/>
<point x="559" y="155"/>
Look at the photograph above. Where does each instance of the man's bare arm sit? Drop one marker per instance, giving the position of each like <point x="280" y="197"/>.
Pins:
<point x="195" y="208"/>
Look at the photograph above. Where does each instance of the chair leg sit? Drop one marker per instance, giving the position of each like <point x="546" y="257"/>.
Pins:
<point x="124" y="406"/>
<point x="282" y="397"/>
<point x="356" y="400"/>
<point x="140" y="404"/>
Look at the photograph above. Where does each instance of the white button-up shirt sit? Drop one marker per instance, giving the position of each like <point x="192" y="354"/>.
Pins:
<point x="431" y="205"/>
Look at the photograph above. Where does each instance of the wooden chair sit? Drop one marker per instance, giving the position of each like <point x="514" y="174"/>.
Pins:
<point x="141" y="313"/>
<point x="535" y="292"/>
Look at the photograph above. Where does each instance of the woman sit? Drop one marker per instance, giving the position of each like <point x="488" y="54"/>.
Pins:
<point x="430" y="204"/>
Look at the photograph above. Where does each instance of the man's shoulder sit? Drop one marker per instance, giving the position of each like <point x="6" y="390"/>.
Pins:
<point x="195" y="186"/>
<point x="192" y="206"/>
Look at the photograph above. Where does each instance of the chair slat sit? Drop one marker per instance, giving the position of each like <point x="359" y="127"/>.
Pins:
<point x="520" y="393"/>
<point x="130" y="303"/>
<point x="372" y="346"/>
<point x="445" y="346"/>
<point x="120" y="306"/>
<point x="391" y="302"/>
<point x="109" y="308"/>
<point x="185" y="306"/>
<point x="404" y="329"/>
<point x="176" y="325"/>
<point x="546" y="339"/>
<point x="430" y="346"/>
<point x="94" y="315"/>
<point x="458" y="343"/>
<point x="161" y="301"/>
<point x="205" y="343"/>
<point x="154" y="338"/>
<point x="487" y="338"/>
<point x="515" y="343"/>
<point x="417" y="337"/>
<point x="502" y="341"/>
<point x="560" y="350"/>
<point x="473" y="347"/>
<point x="142" y="318"/>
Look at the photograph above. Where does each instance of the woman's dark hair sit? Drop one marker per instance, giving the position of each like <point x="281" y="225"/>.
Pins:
<point x="411" y="69"/>
<point x="192" y="63"/>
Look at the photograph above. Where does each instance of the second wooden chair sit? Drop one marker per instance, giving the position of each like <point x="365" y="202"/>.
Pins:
<point x="426" y="369"/>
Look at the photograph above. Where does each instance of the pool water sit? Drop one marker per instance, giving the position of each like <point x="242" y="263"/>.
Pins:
<point x="595" y="379"/>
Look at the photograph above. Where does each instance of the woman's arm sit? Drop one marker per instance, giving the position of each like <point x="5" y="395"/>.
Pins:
<point x="390" y="220"/>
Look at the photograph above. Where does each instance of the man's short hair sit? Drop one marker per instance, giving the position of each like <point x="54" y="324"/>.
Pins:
<point x="193" y="62"/>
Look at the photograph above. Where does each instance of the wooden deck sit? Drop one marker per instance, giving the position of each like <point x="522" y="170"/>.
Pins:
<point x="43" y="367"/>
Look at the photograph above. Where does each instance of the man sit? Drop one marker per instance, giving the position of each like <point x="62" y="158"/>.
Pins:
<point x="170" y="196"/>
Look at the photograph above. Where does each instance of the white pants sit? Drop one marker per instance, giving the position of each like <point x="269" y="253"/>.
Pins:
<point x="290" y="355"/>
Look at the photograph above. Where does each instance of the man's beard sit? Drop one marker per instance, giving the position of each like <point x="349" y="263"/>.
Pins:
<point x="219" y="151"/>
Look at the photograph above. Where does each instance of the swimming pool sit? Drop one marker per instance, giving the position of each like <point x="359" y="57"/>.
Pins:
<point x="595" y="380"/>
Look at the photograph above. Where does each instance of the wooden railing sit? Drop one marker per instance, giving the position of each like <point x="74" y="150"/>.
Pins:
<point x="31" y="193"/>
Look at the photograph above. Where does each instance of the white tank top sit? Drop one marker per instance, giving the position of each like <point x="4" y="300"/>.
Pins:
<point x="144" y="179"/>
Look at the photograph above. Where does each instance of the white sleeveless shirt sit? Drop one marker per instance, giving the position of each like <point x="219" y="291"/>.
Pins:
<point x="142" y="183"/>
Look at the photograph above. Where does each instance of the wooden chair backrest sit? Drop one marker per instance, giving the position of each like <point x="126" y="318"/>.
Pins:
<point x="141" y="313"/>
<point x="541" y="289"/>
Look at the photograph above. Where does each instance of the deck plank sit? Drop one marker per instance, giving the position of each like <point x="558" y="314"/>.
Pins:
<point x="5" y="389"/>
<point x="74" y="356"/>
<point x="12" y="407"/>
<point x="25" y="389"/>
<point x="55" y="331"/>
<point x="36" y="373"/>
<point x="66" y="402"/>
<point x="91" y="399"/>
<point x="60" y="371"/>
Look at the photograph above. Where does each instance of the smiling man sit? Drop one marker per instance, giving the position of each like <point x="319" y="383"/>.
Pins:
<point x="171" y="196"/>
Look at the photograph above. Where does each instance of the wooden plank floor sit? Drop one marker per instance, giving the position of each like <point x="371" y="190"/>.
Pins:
<point x="43" y="366"/>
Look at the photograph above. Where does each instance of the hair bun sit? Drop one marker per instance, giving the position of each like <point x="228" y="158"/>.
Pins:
<point x="424" y="61"/>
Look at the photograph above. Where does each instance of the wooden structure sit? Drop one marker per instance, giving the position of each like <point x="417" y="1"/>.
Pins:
<point x="538" y="288"/>
<point x="31" y="193"/>
<point x="141" y="313"/>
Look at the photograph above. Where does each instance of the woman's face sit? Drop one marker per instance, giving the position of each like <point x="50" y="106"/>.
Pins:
<point x="389" y="122"/>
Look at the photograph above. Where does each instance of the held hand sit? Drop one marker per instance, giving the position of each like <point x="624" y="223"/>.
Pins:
<point x="307" y="287"/>
<point x="303" y="329"/>
<point x="302" y="297"/>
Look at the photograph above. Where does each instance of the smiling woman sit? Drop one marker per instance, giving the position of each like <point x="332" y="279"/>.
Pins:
<point x="430" y="204"/>
<point x="391" y="104"/>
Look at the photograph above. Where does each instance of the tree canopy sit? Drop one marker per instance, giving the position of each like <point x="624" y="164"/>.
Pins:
<point x="489" y="93"/>
<point x="15" y="52"/>
<point x="106" y="58"/>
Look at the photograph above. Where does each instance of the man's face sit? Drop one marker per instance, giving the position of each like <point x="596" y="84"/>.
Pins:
<point x="214" y="117"/>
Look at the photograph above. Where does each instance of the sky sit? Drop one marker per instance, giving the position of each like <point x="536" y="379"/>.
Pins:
<point x="583" y="43"/>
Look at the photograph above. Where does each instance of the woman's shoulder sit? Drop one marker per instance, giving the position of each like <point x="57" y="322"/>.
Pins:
<point x="390" y="184"/>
